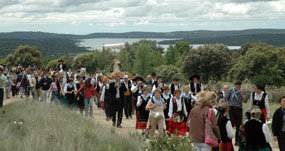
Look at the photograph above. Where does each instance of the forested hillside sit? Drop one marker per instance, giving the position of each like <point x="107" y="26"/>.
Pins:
<point x="50" y="47"/>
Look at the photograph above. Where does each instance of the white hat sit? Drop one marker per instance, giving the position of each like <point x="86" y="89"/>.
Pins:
<point x="126" y="77"/>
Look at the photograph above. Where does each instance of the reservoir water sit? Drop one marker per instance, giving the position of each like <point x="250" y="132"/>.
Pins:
<point x="97" y="43"/>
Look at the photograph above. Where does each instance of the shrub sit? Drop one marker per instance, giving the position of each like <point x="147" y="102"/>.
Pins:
<point x="166" y="143"/>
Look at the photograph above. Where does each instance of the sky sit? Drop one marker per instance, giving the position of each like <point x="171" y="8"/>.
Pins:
<point x="89" y="16"/>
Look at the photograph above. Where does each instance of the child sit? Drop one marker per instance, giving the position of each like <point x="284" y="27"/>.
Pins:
<point x="278" y="124"/>
<point x="241" y="137"/>
<point x="226" y="129"/>
<point x="257" y="133"/>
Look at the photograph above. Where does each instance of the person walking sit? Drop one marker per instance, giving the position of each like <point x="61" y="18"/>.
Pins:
<point x="89" y="93"/>
<point x="45" y="85"/>
<point x="117" y="91"/>
<point x="3" y="81"/>
<point x="198" y="114"/>
<point x="235" y="97"/>
<point x="278" y="124"/>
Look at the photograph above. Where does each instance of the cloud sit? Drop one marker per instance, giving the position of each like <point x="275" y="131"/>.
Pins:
<point x="137" y="12"/>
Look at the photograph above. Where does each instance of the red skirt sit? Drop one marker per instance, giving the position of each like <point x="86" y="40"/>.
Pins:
<point x="177" y="128"/>
<point x="226" y="146"/>
<point x="263" y="111"/>
<point x="102" y="105"/>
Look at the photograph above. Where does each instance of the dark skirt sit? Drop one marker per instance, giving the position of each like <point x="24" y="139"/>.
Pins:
<point x="141" y="123"/>
<point x="80" y="101"/>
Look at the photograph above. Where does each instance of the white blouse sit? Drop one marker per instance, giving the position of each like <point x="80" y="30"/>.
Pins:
<point x="179" y="107"/>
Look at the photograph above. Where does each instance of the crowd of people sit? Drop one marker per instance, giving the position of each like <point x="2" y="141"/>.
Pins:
<point x="173" y="109"/>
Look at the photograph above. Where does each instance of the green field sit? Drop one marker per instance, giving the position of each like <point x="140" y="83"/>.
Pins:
<point x="36" y="126"/>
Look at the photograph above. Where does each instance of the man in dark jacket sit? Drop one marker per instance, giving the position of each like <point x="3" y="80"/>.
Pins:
<point x="127" y="97"/>
<point x="117" y="92"/>
<point x="278" y="124"/>
<point x="45" y="84"/>
<point x="61" y="66"/>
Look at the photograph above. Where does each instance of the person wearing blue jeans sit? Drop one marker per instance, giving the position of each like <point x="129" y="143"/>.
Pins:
<point x="89" y="92"/>
<point x="88" y="102"/>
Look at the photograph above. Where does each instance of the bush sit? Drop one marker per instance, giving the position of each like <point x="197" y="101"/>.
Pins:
<point x="166" y="143"/>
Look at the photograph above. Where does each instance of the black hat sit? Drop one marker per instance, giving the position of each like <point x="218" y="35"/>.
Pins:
<point x="238" y="82"/>
<point x="194" y="76"/>
<point x="153" y="74"/>
<point x="175" y="79"/>
<point x="140" y="79"/>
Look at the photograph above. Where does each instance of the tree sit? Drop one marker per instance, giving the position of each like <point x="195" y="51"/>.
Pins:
<point x="95" y="60"/>
<point x="174" y="53"/>
<point x="89" y="61"/>
<point x="142" y="64"/>
<point x="141" y="57"/>
<point x="211" y="62"/>
<point x="261" y="63"/>
<point x="169" y="72"/>
<point x="67" y="60"/>
<point x="25" y="56"/>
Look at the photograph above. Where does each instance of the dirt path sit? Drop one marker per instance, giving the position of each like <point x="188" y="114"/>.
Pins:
<point x="128" y="125"/>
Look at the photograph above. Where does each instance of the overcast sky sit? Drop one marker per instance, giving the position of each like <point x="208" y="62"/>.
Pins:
<point x="88" y="16"/>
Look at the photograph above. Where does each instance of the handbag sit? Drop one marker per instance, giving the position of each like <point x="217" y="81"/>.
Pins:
<point x="210" y="138"/>
<point x="18" y="85"/>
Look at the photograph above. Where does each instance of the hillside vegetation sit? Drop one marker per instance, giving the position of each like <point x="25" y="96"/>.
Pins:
<point x="37" y="126"/>
<point x="56" y="45"/>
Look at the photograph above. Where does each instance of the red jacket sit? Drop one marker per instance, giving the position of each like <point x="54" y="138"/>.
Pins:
<point x="89" y="91"/>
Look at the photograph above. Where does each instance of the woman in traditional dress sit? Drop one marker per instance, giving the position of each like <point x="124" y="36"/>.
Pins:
<point x="177" y="114"/>
<point x="226" y="129"/>
<point x="69" y="90"/>
<point x="156" y="106"/>
<point x="142" y="113"/>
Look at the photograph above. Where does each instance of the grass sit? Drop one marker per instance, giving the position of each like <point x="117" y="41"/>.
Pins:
<point x="34" y="126"/>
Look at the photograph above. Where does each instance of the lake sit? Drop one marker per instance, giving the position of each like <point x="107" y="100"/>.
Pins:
<point x="97" y="43"/>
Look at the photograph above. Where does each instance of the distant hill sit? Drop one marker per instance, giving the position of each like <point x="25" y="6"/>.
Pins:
<point x="52" y="44"/>
<point x="277" y="39"/>
<point x="54" y="47"/>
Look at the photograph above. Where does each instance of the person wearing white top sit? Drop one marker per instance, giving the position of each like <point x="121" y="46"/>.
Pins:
<point x="225" y="127"/>
<point x="177" y="114"/>
<point x="181" y="107"/>
<point x="3" y="81"/>
<point x="195" y="86"/>
<point x="259" y="99"/>
<point x="159" y="84"/>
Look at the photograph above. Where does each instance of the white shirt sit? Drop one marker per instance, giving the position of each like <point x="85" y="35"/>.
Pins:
<point x="179" y="106"/>
<point x="140" y="100"/>
<point x="127" y="85"/>
<point x="117" y="92"/>
<point x="154" y="87"/>
<point x="3" y="81"/>
<point x="230" y="130"/>
<point x="166" y="96"/>
<point x="136" y="88"/>
<point x="266" y="102"/>
<point x="266" y="133"/>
